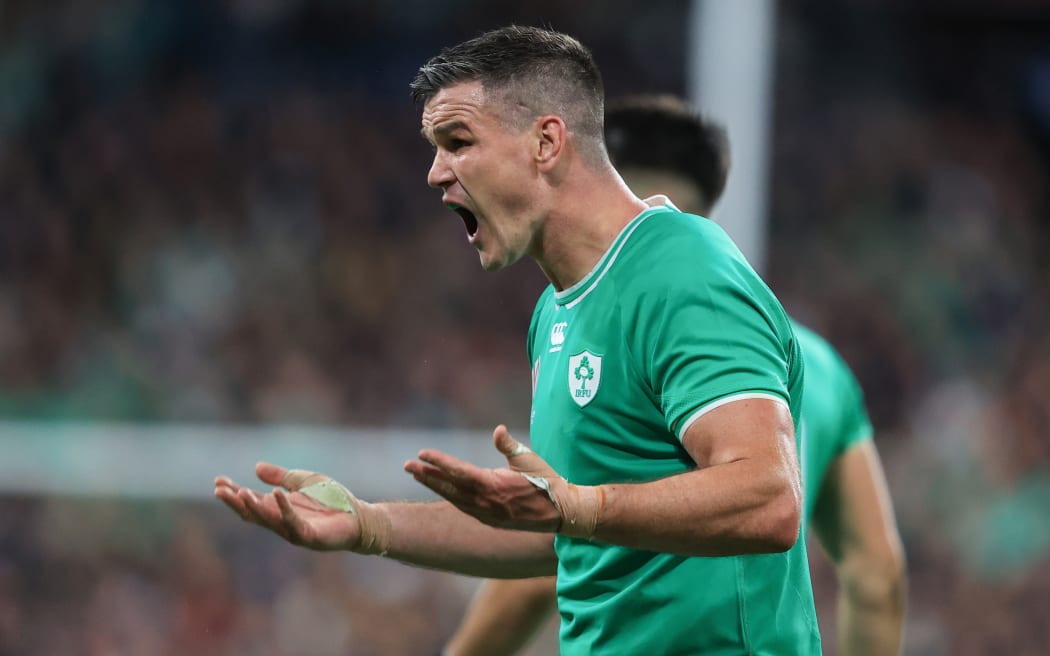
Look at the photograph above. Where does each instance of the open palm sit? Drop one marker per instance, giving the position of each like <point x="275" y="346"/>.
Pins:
<point x="296" y="517"/>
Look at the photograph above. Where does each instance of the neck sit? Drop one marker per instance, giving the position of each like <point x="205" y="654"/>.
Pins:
<point x="586" y="218"/>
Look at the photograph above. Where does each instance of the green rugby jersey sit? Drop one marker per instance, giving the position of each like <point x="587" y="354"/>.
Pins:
<point x="671" y="323"/>
<point x="833" y="414"/>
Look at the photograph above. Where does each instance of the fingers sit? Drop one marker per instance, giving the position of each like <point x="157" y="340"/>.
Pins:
<point x="452" y="478"/>
<point x="227" y="492"/>
<point x="224" y="481"/>
<point x="229" y="497"/>
<point x="453" y="467"/>
<point x="241" y="500"/>
<point x="452" y="490"/>
<point x="519" y="457"/>
<point x="294" y="526"/>
<point x="274" y="511"/>
<point x="270" y="474"/>
<point x="436" y="479"/>
<point x="506" y="444"/>
<point x="289" y="479"/>
<point x="247" y="504"/>
<point x="258" y="511"/>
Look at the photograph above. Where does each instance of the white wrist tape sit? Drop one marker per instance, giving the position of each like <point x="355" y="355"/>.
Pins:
<point x="580" y="506"/>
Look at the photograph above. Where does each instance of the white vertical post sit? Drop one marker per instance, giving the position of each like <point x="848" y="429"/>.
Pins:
<point x="730" y="79"/>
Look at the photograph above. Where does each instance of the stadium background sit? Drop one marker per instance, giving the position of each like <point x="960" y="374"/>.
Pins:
<point x="216" y="244"/>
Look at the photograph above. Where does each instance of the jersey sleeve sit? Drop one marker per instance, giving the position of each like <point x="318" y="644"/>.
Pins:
<point x="856" y="424"/>
<point x="717" y="335"/>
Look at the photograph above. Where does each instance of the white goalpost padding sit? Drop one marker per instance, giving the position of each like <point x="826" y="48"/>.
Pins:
<point x="730" y="70"/>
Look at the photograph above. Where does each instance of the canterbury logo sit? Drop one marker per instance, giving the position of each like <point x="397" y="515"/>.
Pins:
<point x="558" y="335"/>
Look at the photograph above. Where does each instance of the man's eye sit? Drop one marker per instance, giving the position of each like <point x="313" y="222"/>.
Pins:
<point x="456" y="144"/>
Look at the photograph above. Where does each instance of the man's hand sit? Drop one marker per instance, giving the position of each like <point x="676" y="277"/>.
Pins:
<point x="308" y="509"/>
<point x="527" y="495"/>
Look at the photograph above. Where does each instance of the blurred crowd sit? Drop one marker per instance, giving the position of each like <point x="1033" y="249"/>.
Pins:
<point x="912" y="185"/>
<point x="217" y="212"/>
<point x="155" y="578"/>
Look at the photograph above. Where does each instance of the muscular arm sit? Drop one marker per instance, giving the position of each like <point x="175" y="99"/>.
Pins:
<point x="854" y="521"/>
<point x="503" y="617"/>
<point x="743" y="498"/>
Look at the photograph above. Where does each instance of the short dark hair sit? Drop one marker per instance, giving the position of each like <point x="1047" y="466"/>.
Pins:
<point x="663" y="132"/>
<point x="536" y="70"/>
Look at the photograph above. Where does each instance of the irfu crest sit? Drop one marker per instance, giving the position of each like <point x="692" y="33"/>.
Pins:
<point x="585" y="374"/>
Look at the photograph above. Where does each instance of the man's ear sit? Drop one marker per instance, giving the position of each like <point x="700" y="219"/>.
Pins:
<point x="552" y="136"/>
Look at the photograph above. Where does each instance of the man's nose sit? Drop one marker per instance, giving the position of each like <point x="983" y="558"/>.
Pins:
<point x="440" y="175"/>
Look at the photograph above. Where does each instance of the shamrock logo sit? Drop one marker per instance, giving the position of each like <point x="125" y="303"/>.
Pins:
<point x="584" y="376"/>
<point x="583" y="372"/>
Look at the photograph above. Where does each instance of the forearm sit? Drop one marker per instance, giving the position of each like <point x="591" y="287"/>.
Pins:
<point x="739" y="507"/>
<point x="502" y="617"/>
<point x="855" y="523"/>
<point x="439" y="536"/>
<point x="871" y="607"/>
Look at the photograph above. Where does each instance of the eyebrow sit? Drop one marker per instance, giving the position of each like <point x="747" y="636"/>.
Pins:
<point x="444" y="128"/>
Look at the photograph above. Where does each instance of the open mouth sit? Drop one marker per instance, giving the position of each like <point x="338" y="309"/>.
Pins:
<point x="469" y="220"/>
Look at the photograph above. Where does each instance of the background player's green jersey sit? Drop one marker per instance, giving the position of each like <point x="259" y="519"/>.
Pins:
<point x="670" y="324"/>
<point x="833" y="414"/>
